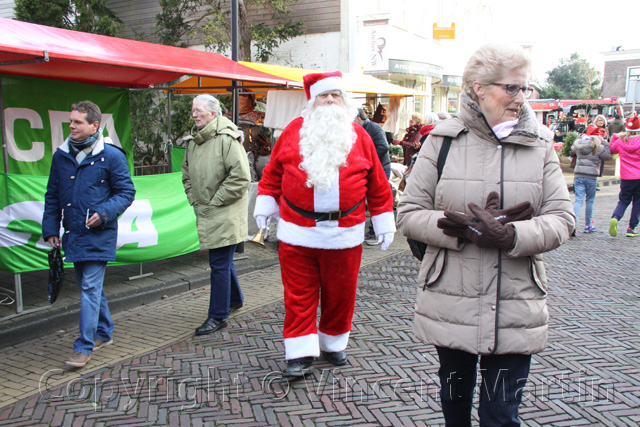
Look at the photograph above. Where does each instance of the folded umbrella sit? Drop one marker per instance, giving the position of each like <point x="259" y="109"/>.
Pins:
<point x="56" y="273"/>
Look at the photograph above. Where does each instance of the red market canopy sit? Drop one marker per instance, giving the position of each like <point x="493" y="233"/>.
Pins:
<point x="39" y="51"/>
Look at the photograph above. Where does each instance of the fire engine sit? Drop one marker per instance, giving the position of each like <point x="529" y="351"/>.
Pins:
<point x="563" y="116"/>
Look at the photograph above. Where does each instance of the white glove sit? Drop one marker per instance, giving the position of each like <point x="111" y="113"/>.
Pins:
<point x="386" y="239"/>
<point x="263" y="221"/>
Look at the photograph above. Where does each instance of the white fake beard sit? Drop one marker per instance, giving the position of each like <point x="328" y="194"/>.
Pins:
<point x="326" y="138"/>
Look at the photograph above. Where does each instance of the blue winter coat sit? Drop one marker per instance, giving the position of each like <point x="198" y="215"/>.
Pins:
<point x="101" y="183"/>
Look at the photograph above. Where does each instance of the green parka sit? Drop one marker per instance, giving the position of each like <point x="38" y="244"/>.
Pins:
<point x="215" y="175"/>
<point x="486" y="301"/>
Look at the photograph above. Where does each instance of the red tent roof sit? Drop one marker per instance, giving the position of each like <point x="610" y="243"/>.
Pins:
<point x="110" y="61"/>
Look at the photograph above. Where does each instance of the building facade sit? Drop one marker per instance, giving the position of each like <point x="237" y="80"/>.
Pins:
<point x="622" y="77"/>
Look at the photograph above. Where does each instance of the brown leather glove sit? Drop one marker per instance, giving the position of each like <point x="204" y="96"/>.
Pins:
<point x="483" y="230"/>
<point x="519" y="212"/>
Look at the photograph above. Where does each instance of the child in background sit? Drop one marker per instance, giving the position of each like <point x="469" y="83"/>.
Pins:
<point x="627" y="145"/>
<point x="591" y="151"/>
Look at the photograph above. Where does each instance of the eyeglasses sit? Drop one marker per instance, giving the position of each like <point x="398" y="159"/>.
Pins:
<point x="512" y="90"/>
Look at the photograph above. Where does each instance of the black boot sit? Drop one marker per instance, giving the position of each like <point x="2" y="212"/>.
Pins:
<point x="298" y="367"/>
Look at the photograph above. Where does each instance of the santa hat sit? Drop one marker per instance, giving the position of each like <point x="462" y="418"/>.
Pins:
<point x="633" y="124"/>
<point x="317" y="83"/>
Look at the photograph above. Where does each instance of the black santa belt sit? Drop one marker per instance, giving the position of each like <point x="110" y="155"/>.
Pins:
<point x="322" y="216"/>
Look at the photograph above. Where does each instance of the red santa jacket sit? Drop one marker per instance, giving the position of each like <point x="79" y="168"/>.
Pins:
<point x="362" y="177"/>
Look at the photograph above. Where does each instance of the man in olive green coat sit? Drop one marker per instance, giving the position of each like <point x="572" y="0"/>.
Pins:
<point x="216" y="178"/>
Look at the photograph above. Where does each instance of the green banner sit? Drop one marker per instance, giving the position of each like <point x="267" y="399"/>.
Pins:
<point x="177" y="156"/>
<point x="36" y="115"/>
<point x="159" y="224"/>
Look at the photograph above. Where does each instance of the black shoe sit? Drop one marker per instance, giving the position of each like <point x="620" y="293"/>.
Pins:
<point x="211" y="325"/>
<point x="298" y="367"/>
<point x="336" y="358"/>
<point x="235" y="307"/>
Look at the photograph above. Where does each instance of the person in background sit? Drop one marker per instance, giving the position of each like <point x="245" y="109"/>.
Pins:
<point x="615" y="126"/>
<point x="322" y="170"/>
<point x="443" y="115"/>
<point x="411" y="141"/>
<point x="627" y="146"/>
<point x="430" y="120"/>
<point x="599" y="127"/>
<point x="379" y="139"/>
<point x="216" y="179"/>
<point x="501" y="201"/>
<point x="89" y="187"/>
<point x="591" y="152"/>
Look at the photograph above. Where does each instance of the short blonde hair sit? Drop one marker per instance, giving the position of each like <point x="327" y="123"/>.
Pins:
<point x="490" y="63"/>
<point x="598" y="117"/>
<point x="417" y="118"/>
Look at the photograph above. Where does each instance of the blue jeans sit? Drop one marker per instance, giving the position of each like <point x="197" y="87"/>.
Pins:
<point x="503" y="380"/>
<point x="584" y="187"/>
<point x="95" y="318"/>
<point x="225" y="289"/>
<point x="629" y="193"/>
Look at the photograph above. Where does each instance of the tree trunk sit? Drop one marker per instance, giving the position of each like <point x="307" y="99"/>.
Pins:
<point x="244" y="48"/>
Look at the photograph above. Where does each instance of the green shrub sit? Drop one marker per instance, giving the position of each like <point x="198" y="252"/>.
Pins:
<point x="568" y="142"/>
<point x="395" y="150"/>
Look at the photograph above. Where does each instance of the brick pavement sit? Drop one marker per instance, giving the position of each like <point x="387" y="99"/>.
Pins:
<point x="158" y="373"/>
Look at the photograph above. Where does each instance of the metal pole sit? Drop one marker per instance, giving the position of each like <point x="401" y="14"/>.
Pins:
<point x="3" y="133"/>
<point x="234" y="56"/>
<point x="167" y="152"/>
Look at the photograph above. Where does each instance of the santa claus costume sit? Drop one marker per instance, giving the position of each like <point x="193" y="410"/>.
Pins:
<point x="319" y="198"/>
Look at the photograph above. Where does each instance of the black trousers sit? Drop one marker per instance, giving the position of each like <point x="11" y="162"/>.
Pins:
<point x="503" y="379"/>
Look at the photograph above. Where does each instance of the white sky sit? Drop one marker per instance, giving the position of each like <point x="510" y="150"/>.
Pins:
<point x="558" y="28"/>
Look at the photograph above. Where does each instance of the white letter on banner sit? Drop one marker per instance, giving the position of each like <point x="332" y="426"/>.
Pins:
<point x="37" y="149"/>
<point x="108" y="124"/>
<point x="32" y="211"/>
<point x="56" y="120"/>
<point x="140" y="211"/>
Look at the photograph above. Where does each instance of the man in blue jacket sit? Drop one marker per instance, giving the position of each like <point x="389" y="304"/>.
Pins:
<point x="89" y="187"/>
<point x="379" y="138"/>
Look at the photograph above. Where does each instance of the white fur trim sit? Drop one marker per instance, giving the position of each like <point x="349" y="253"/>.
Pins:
<point x="325" y="85"/>
<point x="326" y="235"/>
<point x="267" y="206"/>
<point x="329" y="200"/>
<point x="304" y="346"/>
<point x="384" y="223"/>
<point x="333" y="343"/>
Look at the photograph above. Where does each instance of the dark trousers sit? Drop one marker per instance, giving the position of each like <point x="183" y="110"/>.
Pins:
<point x="503" y="379"/>
<point x="225" y="289"/>
<point x="629" y="193"/>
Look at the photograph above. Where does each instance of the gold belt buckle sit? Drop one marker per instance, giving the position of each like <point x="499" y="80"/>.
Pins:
<point x="337" y="213"/>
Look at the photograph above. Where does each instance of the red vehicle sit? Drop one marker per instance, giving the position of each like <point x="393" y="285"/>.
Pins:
<point x="565" y="115"/>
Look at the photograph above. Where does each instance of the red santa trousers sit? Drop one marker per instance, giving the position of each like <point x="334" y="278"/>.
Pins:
<point x="328" y="276"/>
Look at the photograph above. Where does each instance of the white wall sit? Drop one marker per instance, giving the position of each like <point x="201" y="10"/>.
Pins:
<point x="6" y="8"/>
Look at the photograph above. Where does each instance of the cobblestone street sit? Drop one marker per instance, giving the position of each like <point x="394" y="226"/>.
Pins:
<point x="158" y="373"/>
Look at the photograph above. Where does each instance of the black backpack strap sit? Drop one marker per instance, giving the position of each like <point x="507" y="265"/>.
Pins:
<point x="442" y="156"/>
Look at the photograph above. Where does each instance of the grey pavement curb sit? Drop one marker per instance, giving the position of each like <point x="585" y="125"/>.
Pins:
<point x="64" y="317"/>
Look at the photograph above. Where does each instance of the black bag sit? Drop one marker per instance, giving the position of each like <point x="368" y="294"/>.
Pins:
<point x="56" y="273"/>
<point x="419" y="248"/>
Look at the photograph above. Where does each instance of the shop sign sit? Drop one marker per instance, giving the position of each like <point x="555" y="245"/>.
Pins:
<point x="375" y="37"/>
<point x="444" y="30"/>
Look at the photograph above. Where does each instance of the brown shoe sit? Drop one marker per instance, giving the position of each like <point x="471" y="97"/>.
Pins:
<point x="78" y="360"/>
<point x="100" y="343"/>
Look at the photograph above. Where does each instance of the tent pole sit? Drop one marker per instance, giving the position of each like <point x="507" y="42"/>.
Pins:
<point x="169" y="142"/>
<point x="3" y="134"/>
<point x="234" y="56"/>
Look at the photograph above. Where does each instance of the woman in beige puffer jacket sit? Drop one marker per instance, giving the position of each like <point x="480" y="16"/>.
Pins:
<point x="482" y="284"/>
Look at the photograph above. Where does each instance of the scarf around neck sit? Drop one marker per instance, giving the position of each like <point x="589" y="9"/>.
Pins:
<point x="81" y="145"/>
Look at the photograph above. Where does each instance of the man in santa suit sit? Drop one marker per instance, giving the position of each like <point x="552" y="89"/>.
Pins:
<point x="322" y="169"/>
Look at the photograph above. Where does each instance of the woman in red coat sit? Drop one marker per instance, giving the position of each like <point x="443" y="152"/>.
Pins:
<point x="411" y="141"/>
